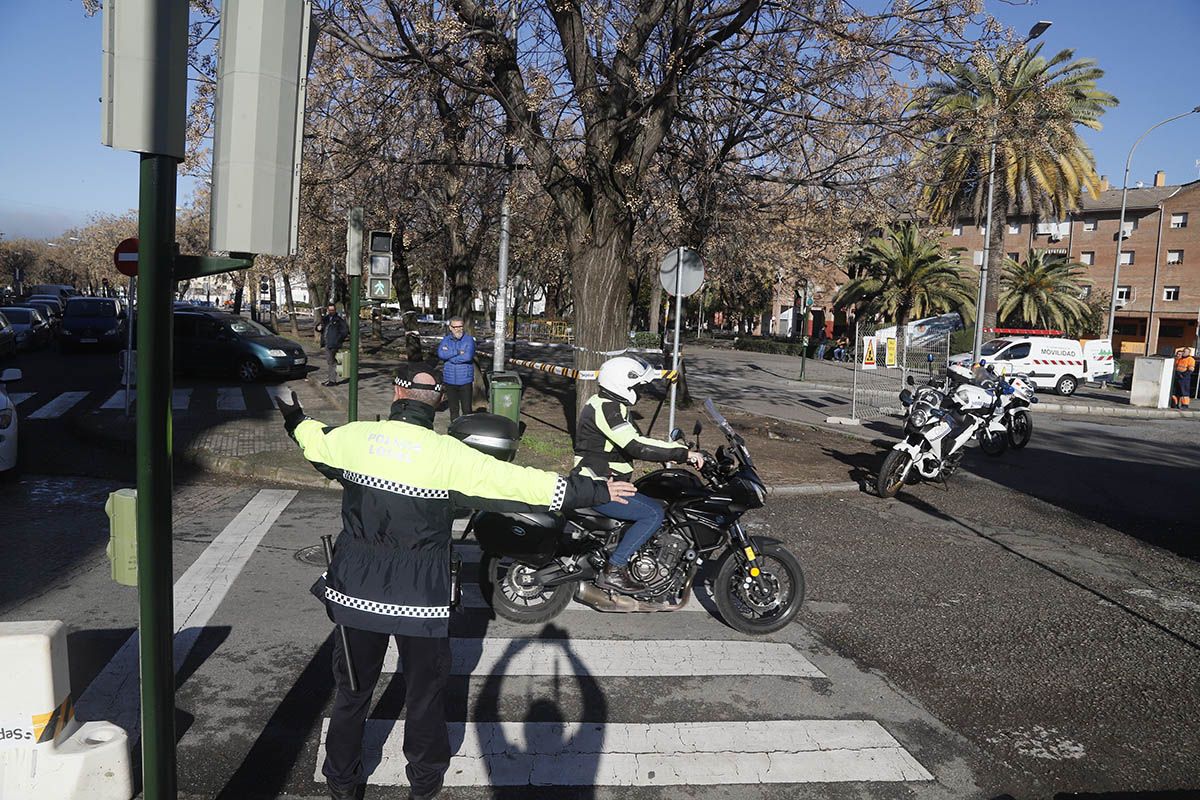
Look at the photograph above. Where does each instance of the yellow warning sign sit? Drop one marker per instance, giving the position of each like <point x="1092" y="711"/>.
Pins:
<point x="890" y="356"/>
<point x="868" y="359"/>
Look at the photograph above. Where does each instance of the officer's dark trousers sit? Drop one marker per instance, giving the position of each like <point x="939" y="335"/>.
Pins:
<point x="426" y="664"/>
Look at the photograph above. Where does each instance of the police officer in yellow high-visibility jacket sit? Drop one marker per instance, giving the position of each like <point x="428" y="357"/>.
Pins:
<point x="390" y="574"/>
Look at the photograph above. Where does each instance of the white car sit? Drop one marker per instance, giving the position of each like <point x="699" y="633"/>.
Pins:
<point x="8" y="422"/>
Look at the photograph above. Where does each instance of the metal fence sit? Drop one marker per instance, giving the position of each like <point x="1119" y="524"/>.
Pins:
<point x="882" y="362"/>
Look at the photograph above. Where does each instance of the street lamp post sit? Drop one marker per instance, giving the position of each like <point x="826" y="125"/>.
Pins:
<point x="1037" y="30"/>
<point x="1112" y="308"/>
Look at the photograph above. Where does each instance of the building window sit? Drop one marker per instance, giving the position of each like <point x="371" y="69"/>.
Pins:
<point x="1085" y="292"/>
<point x="1089" y="224"/>
<point x="977" y="258"/>
<point x="1128" y="328"/>
<point x="1179" y="220"/>
<point x="1174" y="256"/>
<point x="1126" y="257"/>
<point x="1014" y="227"/>
<point x="983" y="229"/>
<point x="1088" y="258"/>
<point x="1170" y="331"/>
<point x="1124" y="294"/>
<point x="957" y="230"/>
<point x="1014" y="257"/>
<point x="1170" y="293"/>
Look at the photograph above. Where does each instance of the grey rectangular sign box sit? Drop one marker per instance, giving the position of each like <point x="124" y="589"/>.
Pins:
<point x="262" y="69"/>
<point x="143" y="91"/>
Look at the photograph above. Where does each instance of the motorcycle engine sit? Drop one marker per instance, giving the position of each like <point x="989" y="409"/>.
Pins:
<point x="659" y="558"/>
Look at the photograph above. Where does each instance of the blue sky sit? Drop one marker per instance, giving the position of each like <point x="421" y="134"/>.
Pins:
<point x="54" y="172"/>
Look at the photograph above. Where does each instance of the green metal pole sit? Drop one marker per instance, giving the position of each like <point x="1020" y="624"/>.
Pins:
<point x="156" y="285"/>
<point x="355" y="304"/>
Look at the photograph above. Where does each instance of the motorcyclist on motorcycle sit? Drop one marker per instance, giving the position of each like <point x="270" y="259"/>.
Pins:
<point x="606" y="443"/>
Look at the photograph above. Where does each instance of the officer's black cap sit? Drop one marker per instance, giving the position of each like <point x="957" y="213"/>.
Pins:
<point x="406" y="374"/>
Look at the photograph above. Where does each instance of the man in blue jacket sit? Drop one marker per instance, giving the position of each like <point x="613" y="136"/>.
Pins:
<point x="457" y="352"/>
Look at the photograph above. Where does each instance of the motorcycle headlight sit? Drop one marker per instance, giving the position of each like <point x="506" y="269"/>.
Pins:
<point x="919" y="416"/>
<point x="6" y="418"/>
<point x="277" y="353"/>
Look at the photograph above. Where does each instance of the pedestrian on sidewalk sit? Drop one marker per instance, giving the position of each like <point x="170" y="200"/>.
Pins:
<point x="332" y="330"/>
<point x="822" y="343"/>
<point x="457" y="352"/>
<point x="391" y="574"/>
<point x="1181" y="391"/>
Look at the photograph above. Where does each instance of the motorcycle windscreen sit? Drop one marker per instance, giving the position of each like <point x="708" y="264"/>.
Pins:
<point x="935" y="433"/>
<point x="530" y="537"/>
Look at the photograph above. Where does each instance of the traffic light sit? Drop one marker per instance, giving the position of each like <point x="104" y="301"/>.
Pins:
<point x="379" y="255"/>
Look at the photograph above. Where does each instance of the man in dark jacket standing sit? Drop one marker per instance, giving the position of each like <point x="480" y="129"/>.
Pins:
<point x="333" y="331"/>
<point x="457" y="352"/>
<point x="390" y="575"/>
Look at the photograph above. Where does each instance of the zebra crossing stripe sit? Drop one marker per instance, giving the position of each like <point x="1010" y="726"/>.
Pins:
<point x="16" y="398"/>
<point x="180" y="399"/>
<point x="230" y="398"/>
<point x="655" y="754"/>
<point x="616" y="658"/>
<point x="59" y="405"/>
<point x="118" y="399"/>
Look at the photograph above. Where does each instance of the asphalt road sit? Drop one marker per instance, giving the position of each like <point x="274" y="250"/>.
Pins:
<point x="1028" y="630"/>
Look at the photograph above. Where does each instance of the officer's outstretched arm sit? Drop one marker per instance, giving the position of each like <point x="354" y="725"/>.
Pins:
<point x="319" y="443"/>
<point x="476" y="480"/>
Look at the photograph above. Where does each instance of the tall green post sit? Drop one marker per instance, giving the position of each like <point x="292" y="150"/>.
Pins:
<point x="352" y="362"/>
<point x="156" y="253"/>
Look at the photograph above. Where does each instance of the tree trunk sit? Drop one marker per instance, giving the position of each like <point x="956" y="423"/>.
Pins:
<point x="656" y="292"/>
<point x="599" y="297"/>
<point x="401" y="282"/>
<point x="291" y="302"/>
<point x="901" y="338"/>
<point x="995" y="265"/>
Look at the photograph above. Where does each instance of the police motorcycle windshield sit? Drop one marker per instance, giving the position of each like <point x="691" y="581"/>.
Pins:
<point x="739" y="444"/>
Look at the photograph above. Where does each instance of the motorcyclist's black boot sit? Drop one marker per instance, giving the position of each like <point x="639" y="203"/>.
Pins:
<point x="616" y="578"/>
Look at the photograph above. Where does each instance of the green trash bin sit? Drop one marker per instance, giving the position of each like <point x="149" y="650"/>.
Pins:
<point x="504" y="397"/>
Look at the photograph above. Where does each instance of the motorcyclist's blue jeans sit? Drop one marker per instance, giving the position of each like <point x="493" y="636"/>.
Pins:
<point x="646" y="513"/>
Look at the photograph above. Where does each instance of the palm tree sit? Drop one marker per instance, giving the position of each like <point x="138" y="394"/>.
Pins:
<point x="1044" y="291"/>
<point x="1032" y="108"/>
<point x="903" y="275"/>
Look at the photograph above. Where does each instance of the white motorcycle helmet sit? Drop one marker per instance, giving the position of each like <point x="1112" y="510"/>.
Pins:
<point x="621" y="375"/>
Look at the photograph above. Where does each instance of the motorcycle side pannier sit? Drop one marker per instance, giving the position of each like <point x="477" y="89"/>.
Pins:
<point x="493" y="434"/>
<point x="530" y="536"/>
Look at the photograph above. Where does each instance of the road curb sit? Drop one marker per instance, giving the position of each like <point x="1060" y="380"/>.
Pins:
<point x="232" y="465"/>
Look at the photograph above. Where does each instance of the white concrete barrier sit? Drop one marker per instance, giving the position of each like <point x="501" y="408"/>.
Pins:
<point x="1151" y="385"/>
<point x="44" y="751"/>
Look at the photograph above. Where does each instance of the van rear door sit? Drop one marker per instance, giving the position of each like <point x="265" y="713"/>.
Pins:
<point x="1098" y="355"/>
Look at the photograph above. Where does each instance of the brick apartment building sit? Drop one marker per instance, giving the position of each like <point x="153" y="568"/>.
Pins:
<point x="1159" y="290"/>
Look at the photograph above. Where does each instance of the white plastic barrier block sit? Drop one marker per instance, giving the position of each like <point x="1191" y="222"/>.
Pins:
<point x="44" y="751"/>
<point x="1151" y="385"/>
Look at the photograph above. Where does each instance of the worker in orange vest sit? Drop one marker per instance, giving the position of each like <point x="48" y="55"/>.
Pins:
<point x="1185" y="365"/>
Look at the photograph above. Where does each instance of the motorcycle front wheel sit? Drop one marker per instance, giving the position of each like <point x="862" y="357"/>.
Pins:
<point x="993" y="443"/>
<point x="890" y="478"/>
<point x="754" y="606"/>
<point x="511" y="598"/>
<point x="1020" y="428"/>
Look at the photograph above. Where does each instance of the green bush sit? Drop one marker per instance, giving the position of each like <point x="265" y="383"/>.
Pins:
<point x="760" y="345"/>
<point x="963" y="341"/>
<point x="644" y="340"/>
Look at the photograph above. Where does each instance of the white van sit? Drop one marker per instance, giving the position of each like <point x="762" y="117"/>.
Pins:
<point x="1058" y="364"/>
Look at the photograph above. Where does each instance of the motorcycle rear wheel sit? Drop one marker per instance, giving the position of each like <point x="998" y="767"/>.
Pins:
<point x="1020" y="428"/>
<point x="509" y="599"/>
<point x="744" y="606"/>
<point x="889" y="481"/>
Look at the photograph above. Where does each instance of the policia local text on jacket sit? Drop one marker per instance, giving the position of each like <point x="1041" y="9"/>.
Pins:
<point x="390" y="574"/>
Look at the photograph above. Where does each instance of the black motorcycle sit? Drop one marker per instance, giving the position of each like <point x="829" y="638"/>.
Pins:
<point x="533" y="564"/>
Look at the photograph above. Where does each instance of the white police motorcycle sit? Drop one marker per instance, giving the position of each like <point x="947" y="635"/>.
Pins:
<point x="941" y="418"/>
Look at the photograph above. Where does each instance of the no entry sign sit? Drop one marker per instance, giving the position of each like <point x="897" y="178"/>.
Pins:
<point x="125" y="257"/>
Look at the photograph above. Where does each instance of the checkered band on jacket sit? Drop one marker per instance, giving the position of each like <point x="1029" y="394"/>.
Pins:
<point x="387" y="609"/>
<point x="403" y="488"/>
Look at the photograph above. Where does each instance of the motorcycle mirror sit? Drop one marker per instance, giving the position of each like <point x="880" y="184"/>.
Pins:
<point x="910" y="381"/>
<point x="697" y="428"/>
<point x="676" y="434"/>
<point x="906" y="397"/>
<point x="929" y="358"/>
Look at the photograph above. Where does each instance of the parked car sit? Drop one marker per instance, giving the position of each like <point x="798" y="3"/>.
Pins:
<point x="8" y="422"/>
<point x="1050" y="363"/>
<point x="96" y="322"/>
<point x="8" y="337"/>
<point x="32" y="329"/>
<point x="59" y="291"/>
<point x="214" y="342"/>
<point x="54" y="300"/>
<point x="50" y="311"/>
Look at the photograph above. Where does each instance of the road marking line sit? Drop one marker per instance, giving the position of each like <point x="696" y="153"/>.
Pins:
<point x="640" y="754"/>
<point x="19" y="397"/>
<point x="113" y="694"/>
<point x="616" y="658"/>
<point x="230" y="398"/>
<point x="58" y="406"/>
<point x="180" y="399"/>
<point x="118" y="399"/>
